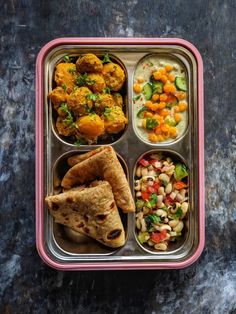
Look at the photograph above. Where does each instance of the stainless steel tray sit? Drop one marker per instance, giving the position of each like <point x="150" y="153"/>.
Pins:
<point x="130" y="147"/>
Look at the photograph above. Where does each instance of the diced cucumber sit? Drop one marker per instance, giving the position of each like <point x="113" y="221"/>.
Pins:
<point x="157" y="87"/>
<point x="141" y="112"/>
<point x="147" y="91"/>
<point x="180" y="83"/>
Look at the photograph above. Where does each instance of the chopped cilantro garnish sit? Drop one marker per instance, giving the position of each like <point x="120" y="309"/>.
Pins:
<point x="106" y="58"/>
<point x="72" y="70"/>
<point x="93" y="97"/>
<point x="69" y="120"/>
<point x="137" y="97"/>
<point x="84" y="80"/>
<point x="87" y="108"/>
<point x="80" y="142"/>
<point x="153" y="199"/>
<point x="179" y="212"/>
<point x="64" y="87"/>
<point x="107" y="112"/>
<point x="106" y="90"/>
<point x="151" y="123"/>
<point x="151" y="64"/>
<point x="153" y="218"/>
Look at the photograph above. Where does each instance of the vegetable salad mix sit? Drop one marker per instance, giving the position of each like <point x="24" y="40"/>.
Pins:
<point x="161" y="187"/>
<point x="161" y="97"/>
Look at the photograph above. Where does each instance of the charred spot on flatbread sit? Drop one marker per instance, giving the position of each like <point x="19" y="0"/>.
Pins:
<point x="114" y="234"/>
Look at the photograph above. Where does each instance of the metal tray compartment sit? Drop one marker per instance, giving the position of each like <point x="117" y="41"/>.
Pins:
<point x="58" y="248"/>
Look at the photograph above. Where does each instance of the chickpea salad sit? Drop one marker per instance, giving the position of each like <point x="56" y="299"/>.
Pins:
<point x="161" y="188"/>
<point x="160" y="99"/>
<point x="87" y="99"/>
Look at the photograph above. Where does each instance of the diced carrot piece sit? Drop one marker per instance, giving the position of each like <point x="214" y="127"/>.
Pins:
<point x="182" y="106"/>
<point x="137" y="88"/>
<point x="162" y="71"/>
<point x="162" y="105"/>
<point x="148" y="114"/>
<point x="155" y="97"/>
<point x="163" y="78"/>
<point x="177" y="117"/>
<point x="153" y="137"/>
<point x="171" y="77"/>
<point x="157" y="75"/>
<point x="163" y="97"/>
<point x="180" y="95"/>
<point x="168" y="67"/>
<point x="164" y="112"/>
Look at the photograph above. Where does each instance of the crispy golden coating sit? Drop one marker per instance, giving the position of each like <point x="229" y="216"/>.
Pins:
<point x="64" y="128"/>
<point x="91" y="126"/>
<point x="79" y="102"/>
<point x="114" y="76"/>
<point x="99" y="82"/>
<point x="89" y="63"/>
<point x="118" y="99"/>
<point x="58" y="96"/>
<point x="103" y="101"/>
<point x="114" y="120"/>
<point x="65" y="76"/>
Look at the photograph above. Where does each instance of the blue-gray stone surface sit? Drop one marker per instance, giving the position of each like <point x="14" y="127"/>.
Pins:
<point x="27" y="285"/>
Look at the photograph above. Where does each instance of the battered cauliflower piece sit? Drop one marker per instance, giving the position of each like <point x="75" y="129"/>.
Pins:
<point x="64" y="128"/>
<point x="89" y="63"/>
<point x="102" y="102"/>
<point x="65" y="76"/>
<point x="79" y="101"/>
<point x="118" y="99"/>
<point x="98" y="82"/>
<point x="114" y="76"/>
<point x="91" y="126"/>
<point x="58" y="96"/>
<point x="114" y="120"/>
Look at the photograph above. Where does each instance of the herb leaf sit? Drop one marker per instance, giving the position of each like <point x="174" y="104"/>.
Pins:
<point x="151" y="123"/>
<point x="106" y="90"/>
<point x="64" y="87"/>
<point x="137" y="97"/>
<point x="107" y="112"/>
<point x="93" y="97"/>
<point x="153" y="218"/>
<point x="69" y="119"/>
<point x="106" y="58"/>
<point x="84" y="80"/>
<point x="154" y="198"/>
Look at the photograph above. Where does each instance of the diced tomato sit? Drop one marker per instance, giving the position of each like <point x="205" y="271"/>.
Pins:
<point x="157" y="237"/>
<point x="144" y="162"/>
<point x="151" y="189"/>
<point x="145" y="196"/>
<point x="156" y="185"/>
<point x="152" y="161"/>
<point x="168" y="201"/>
<point x="180" y="185"/>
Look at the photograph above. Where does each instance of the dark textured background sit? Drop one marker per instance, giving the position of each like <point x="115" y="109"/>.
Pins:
<point x="26" y="284"/>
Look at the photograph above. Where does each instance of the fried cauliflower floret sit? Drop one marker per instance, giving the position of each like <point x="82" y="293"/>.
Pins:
<point x="118" y="99"/>
<point x="98" y="82"/>
<point x="58" y="96"/>
<point x="79" y="101"/>
<point x="89" y="63"/>
<point x="102" y="102"/>
<point x="114" y="76"/>
<point x="65" y="76"/>
<point x="91" y="126"/>
<point x="64" y="128"/>
<point x="114" y="120"/>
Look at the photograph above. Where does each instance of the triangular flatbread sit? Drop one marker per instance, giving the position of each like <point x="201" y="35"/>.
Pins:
<point x="91" y="211"/>
<point x="103" y="163"/>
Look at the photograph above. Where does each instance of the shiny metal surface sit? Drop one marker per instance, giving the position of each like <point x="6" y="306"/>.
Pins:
<point x="130" y="147"/>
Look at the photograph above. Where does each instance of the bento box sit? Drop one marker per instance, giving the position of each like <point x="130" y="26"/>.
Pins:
<point x="142" y="111"/>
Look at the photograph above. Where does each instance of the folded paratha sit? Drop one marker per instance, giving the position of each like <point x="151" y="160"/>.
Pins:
<point x="91" y="211"/>
<point x="103" y="163"/>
